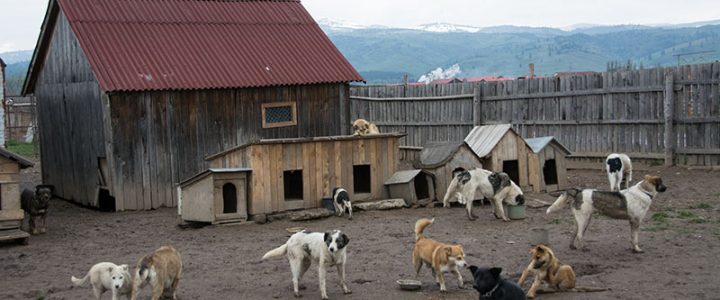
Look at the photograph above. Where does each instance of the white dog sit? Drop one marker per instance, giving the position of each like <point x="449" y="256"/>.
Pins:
<point x="631" y="204"/>
<point x="106" y="276"/>
<point x="326" y="249"/>
<point x="341" y="201"/>
<point x="618" y="165"/>
<point x="497" y="187"/>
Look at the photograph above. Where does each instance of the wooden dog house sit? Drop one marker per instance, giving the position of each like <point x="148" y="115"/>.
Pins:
<point x="11" y="213"/>
<point x="444" y="160"/>
<point x="413" y="186"/>
<point x="215" y="196"/>
<point x="547" y="168"/>
<point x="501" y="149"/>
<point x="291" y="174"/>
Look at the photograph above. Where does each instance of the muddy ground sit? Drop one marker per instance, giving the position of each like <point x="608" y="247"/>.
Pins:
<point x="681" y="239"/>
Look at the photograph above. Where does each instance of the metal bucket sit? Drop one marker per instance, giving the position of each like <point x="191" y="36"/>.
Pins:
<point x="515" y="212"/>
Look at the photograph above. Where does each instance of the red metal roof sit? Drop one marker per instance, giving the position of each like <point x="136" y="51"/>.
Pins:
<point x="194" y="44"/>
<point x="486" y="78"/>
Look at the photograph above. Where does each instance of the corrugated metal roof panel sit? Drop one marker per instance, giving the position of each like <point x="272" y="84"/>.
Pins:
<point x="483" y="139"/>
<point x="402" y="177"/>
<point x="159" y="45"/>
<point x="537" y="144"/>
<point x="435" y="154"/>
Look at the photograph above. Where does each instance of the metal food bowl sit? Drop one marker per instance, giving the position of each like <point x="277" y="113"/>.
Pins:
<point x="409" y="284"/>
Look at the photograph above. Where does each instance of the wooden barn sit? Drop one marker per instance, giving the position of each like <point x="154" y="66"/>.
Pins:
<point x="291" y="174"/>
<point x="501" y="149"/>
<point x="133" y="95"/>
<point x="11" y="212"/>
<point x="547" y="168"/>
<point x="444" y="159"/>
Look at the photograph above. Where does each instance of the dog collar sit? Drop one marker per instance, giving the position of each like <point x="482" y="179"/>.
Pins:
<point x="489" y="294"/>
<point x="649" y="194"/>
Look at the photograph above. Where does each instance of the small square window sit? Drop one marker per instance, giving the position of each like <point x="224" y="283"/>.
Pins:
<point x="279" y="114"/>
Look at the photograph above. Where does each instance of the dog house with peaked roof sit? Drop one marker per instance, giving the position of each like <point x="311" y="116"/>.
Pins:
<point x="501" y="149"/>
<point x="444" y="160"/>
<point x="547" y="168"/>
<point x="413" y="186"/>
<point x="11" y="213"/>
<point x="217" y="195"/>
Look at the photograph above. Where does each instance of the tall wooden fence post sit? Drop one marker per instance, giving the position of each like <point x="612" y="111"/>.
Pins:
<point x="477" y="110"/>
<point x="669" y="111"/>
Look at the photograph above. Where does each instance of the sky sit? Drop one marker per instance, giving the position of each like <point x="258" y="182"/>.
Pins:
<point x="20" y="20"/>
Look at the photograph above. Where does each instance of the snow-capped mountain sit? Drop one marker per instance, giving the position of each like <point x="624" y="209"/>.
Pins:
<point x="339" y="25"/>
<point x="446" y="27"/>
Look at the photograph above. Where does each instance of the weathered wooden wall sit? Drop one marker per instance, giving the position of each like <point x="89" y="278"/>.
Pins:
<point x="160" y="138"/>
<point x="69" y="118"/>
<point x="536" y="162"/>
<point x="326" y="163"/>
<point x="592" y="115"/>
<point x="19" y="117"/>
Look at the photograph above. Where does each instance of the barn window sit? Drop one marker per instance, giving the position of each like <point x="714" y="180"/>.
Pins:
<point x="550" y="172"/>
<point x="361" y="179"/>
<point x="229" y="198"/>
<point x="279" y="114"/>
<point x="293" y="185"/>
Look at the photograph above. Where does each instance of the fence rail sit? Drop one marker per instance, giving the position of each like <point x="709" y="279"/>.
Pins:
<point x="671" y="113"/>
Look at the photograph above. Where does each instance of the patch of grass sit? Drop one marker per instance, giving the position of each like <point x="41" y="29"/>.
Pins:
<point x="660" y="222"/>
<point x="660" y="217"/>
<point x="698" y="220"/>
<point x="715" y="194"/>
<point x="24" y="149"/>
<point x="684" y="214"/>
<point x="701" y="205"/>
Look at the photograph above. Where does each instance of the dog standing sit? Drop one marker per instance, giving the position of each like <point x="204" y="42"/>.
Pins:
<point x="363" y="127"/>
<point x="107" y="276"/>
<point x="438" y="256"/>
<point x="547" y="268"/>
<point x="631" y="204"/>
<point x="491" y="286"/>
<point x="161" y="270"/>
<point x="494" y="186"/>
<point x="618" y="167"/>
<point x="36" y="206"/>
<point x="326" y="249"/>
<point x="341" y="201"/>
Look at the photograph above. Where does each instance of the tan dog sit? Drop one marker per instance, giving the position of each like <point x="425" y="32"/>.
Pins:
<point x="548" y="268"/>
<point x="363" y="127"/>
<point x="161" y="270"/>
<point x="440" y="257"/>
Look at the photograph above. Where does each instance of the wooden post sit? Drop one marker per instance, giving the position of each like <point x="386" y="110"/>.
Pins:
<point x="405" y="85"/>
<point x="669" y="110"/>
<point x="477" y="112"/>
<point x="344" y="109"/>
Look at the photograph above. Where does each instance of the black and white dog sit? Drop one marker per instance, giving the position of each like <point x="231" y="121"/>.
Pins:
<point x="497" y="187"/>
<point x="618" y="166"/>
<point x="326" y="249"/>
<point x="341" y="201"/>
<point x="630" y="204"/>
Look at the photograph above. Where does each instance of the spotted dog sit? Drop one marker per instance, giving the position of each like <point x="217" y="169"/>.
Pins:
<point x="618" y="166"/>
<point x="341" y="201"/>
<point x="326" y="249"/>
<point x="494" y="186"/>
<point x="630" y="204"/>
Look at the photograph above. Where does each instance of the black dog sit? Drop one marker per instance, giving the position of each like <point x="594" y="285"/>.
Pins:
<point x="36" y="205"/>
<point x="491" y="286"/>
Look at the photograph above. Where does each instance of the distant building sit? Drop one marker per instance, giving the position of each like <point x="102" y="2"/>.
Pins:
<point x="559" y="74"/>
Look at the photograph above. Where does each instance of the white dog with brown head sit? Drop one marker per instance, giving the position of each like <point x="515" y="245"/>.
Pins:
<point x="363" y="127"/>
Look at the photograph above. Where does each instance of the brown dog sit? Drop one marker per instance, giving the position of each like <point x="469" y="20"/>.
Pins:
<point x="548" y="268"/>
<point x="161" y="270"/>
<point x="363" y="127"/>
<point x="438" y="256"/>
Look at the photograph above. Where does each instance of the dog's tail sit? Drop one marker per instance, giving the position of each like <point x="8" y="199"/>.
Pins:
<point x="420" y="227"/>
<point x="560" y="203"/>
<point x="279" y="251"/>
<point x="80" y="281"/>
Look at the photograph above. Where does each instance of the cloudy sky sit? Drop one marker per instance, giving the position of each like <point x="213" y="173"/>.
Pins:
<point x="20" y="20"/>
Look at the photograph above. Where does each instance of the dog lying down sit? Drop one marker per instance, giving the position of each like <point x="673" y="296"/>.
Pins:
<point x="630" y="204"/>
<point x="490" y="285"/>
<point x="363" y="127"/>
<point x="546" y="267"/>
<point x="107" y="276"/>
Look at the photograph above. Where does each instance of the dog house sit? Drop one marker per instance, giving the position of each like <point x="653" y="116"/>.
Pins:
<point x="11" y="213"/>
<point x="547" y="169"/>
<point x="215" y="196"/>
<point x="501" y="149"/>
<point x="291" y="174"/>
<point x="444" y="160"/>
<point x="413" y="186"/>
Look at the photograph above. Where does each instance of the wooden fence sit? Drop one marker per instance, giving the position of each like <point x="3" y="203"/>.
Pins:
<point x="670" y="114"/>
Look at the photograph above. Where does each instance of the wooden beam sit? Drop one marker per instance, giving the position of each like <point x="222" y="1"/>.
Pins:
<point x="589" y="92"/>
<point x="668" y="111"/>
<point x="454" y="97"/>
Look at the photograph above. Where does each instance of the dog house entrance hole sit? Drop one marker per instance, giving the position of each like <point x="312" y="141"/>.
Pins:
<point x="229" y="198"/>
<point x="106" y="202"/>
<point x="550" y="172"/>
<point x="512" y="168"/>
<point x="293" y="185"/>
<point x="361" y="179"/>
<point x="421" y="187"/>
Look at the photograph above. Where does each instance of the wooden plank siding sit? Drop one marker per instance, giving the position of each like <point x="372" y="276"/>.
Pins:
<point x="619" y="111"/>
<point x="323" y="163"/>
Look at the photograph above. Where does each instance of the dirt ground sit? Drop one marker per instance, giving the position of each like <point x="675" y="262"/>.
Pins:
<point x="681" y="239"/>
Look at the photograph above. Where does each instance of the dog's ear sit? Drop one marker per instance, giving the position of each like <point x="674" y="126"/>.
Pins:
<point x="327" y="238"/>
<point x="504" y="179"/>
<point x="648" y="178"/>
<point x="448" y="250"/>
<point x="124" y="267"/>
<point x="496" y="272"/>
<point x="345" y="239"/>
<point x="473" y="269"/>
<point x="110" y="269"/>
<point x="494" y="179"/>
